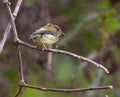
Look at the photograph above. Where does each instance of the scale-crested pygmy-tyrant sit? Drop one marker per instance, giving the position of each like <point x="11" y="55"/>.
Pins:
<point x="46" y="35"/>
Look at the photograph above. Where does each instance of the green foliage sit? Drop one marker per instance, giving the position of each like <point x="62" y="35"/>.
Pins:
<point x="109" y="19"/>
<point x="104" y="5"/>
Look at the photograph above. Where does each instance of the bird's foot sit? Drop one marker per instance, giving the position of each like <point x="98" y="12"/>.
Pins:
<point x="44" y="48"/>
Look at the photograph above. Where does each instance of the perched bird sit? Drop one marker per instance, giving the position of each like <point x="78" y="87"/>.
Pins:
<point x="46" y="35"/>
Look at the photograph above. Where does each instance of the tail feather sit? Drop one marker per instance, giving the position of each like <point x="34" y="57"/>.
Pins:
<point x="31" y="37"/>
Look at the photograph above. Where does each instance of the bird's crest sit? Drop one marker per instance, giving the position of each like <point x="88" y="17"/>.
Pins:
<point x="55" y="26"/>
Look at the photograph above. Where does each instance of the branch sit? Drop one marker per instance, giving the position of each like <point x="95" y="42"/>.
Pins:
<point x="49" y="60"/>
<point x="7" y="4"/>
<point x="19" y="91"/>
<point x="53" y="89"/>
<point x="67" y="90"/>
<point x="21" y="79"/>
<point x="20" y="66"/>
<point x="7" y="30"/>
<point x="81" y="58"/>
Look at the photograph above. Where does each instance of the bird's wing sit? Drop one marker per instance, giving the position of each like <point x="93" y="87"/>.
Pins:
<point x="43" y="32"/>
<point x="33" y="35"/>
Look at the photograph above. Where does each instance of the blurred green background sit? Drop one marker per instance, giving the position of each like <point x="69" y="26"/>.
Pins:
<point x="92" y="30"/>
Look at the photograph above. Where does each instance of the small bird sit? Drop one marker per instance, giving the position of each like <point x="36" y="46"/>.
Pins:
<point x="46" y="35"/>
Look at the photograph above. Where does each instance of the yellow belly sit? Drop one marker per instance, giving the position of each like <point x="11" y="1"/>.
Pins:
<point x="46" y="39"/>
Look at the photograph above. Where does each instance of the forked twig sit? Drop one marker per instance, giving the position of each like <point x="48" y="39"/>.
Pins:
<point x="7" y="30"/>
<point x="7" y="4"/>
<point x="21" y="79"/>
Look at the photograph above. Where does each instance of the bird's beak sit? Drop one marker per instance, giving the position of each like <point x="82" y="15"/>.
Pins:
<point x="62" y="33"/>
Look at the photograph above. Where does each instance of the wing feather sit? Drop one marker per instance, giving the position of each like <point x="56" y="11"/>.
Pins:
<point x="33" y="35"/>
<point x="43" y="32"/>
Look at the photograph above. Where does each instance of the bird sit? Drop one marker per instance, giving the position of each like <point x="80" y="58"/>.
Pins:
<point x="46" y="35"/>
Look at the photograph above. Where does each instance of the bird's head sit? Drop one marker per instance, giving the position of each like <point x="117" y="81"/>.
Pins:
<point x="54" y="28"/>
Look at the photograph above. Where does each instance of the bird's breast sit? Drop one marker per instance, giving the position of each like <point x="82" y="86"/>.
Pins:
<point x="47" y="39"/>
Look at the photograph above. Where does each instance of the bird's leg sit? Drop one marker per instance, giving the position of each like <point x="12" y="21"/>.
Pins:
<point x="44" y="47"/>
<point x="56" y="46"/>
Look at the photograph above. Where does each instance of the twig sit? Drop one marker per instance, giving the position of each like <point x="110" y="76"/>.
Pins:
<point x="7" y="30"/>
<point x="20" y="66"/>
<point x="21" y="79"/>
<point x="19" y="91"/>
<point x="7" y="4"/>
<point x="81" y="58"/>
<point x="67" y="90"/>
<point x="49" y="60"/>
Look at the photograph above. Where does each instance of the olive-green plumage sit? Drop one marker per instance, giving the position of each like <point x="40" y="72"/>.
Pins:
<point x="46" y="35"/>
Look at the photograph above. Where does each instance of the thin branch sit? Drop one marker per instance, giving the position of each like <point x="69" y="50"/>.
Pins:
<point x="7" y="30"/>
<point x="53" y="89"/>
<point x="19" y="91"/>
<point x="81" y="58"/>
<point x="49" y="60"/>
<point x="7" y="4"/>
<point x="21" y="81"/>
<point x="67" y="90"/>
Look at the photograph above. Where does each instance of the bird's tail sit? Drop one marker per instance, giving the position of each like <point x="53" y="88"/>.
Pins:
<point x="31" y="37"/>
